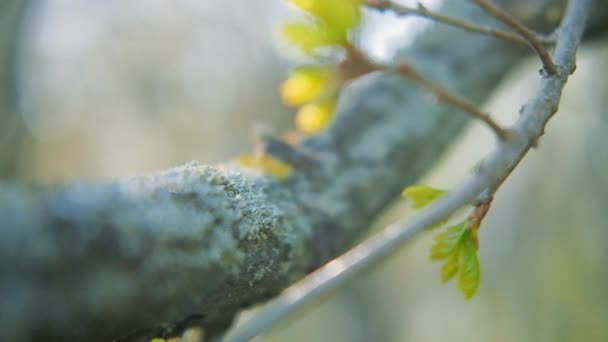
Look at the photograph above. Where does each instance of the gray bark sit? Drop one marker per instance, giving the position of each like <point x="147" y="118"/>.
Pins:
<point x="195" y="244"/>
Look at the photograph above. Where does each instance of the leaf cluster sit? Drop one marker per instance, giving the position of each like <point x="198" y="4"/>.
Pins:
<point x="315" y="88"/>
<point x="457" y="245"/>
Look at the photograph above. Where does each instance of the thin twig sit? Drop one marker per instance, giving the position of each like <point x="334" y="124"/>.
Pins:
<point x="426" y="13"/>
<point x="357" y="64"/>
<point x="528" y="35"/>
<point x="444" y="95"/>
<point x="490" y="175"/>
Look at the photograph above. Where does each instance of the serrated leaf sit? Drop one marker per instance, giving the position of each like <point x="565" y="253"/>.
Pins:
<point x="450" y="268"/>
<point x="447" y="242"/>
<point x="457" y="245"/>
<point x="470" y="269"/>
<point x="422" y="195"/>
<point x="442" y="248"/>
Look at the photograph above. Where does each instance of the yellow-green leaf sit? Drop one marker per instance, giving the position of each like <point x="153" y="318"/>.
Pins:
<point x="313" y="118"/>
<point x="457" y="245"/>
<point x="470" y="269"/>
<point x="306" y="84"/>
<point x="267" y="164"/>
<point x="341" y="15"/>
<point x="338" y="15"/>
<point x="309" y="36"/>
<point x="450" y="268"/>
<point x="422" y="195"/>
<point x="306" y="5"/>
<point x="448" y="241"/>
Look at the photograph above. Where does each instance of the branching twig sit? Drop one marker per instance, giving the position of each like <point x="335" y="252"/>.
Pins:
<point x="487" y="178"/>
<point x="426" y="13"/>
<point x="357" y="64"/>
<point x="444" y="95"/>
<point x="528" y="35"/>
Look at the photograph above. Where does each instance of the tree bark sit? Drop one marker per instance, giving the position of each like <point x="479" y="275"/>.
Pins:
<point x="196" y="244"/>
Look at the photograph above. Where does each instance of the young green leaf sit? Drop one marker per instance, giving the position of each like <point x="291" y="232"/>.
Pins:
<point x="457" y="245"/>
<point x="470" y="269"/>
<point x="448" y="241"/>
<point x="450" y="268"/>
<point x="422" y="195"/>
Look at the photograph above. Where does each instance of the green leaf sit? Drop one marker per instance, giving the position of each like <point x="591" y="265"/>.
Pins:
<point x="422" y="195"/>
<point x="450" y="268"/>
<point x="448" y="241"/>
<point x="457" y="245"/>
<point x="338" y="15"/>
<point x="470" y="270"/>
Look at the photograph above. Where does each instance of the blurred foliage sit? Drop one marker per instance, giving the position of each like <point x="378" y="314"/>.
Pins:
<point x="315" y="88"/>
<point x="329" y="24"/>
<point x="422" y="195"/>
<point x="306" y="84"/>
<point x="118" y="88"/>
<point x="312" y="88"/>
<point x="267" y="165"/>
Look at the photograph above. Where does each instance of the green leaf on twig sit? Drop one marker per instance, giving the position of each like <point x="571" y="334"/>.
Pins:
<point x="422" y="195"/>
<point x="457" y="245"/>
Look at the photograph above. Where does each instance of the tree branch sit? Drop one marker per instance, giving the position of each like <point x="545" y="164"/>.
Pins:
<point x="127" y="259"/>
<point x="479" y="187"/>
<point x="528" y="35"/>
<point x="444" y="95"/>
<point x="422" y="11"/>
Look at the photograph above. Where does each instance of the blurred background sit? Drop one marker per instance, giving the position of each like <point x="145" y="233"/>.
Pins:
<point x="117" y="88"/>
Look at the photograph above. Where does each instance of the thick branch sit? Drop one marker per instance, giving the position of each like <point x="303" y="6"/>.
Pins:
<point x="94" y="261"/>
<point x="122" y="254"/>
